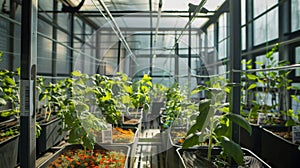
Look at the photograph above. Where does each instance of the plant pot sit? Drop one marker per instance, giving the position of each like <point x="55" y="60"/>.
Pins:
<point x="9" y="152"/>
<point x="196" y="157"/>
<point x="50" y="135"/>
<point x="132" y="145"/>
<point x="7" y="115"/>
<point x="278" y="151"/>
<point x="253" y="141"/>
<point x="171" y="149"/>
<point x="119" y="148"/>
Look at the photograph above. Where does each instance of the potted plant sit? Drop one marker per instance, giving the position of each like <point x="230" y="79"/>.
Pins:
<point x="82" y="120"/>
<point x="50" y="98"/>
<point x="213" y="128"/>
<point x="273" y="118"/>
<point x="9" y="123"/>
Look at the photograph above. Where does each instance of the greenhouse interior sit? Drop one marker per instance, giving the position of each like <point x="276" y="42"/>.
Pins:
<point x="149" y="83"/>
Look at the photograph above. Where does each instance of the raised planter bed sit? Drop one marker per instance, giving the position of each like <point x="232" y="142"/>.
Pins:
<point x="253" y="141"/>
<point x="276" y="150"/>
<point x="130" y="141"/>
<point x="9" y="152"/>
<point x="51" y="135"/>
<point x="97" y="157"/>
<point x="196" y="157"/>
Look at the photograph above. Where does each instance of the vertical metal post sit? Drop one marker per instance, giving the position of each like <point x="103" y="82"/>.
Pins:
<point x="151" y="38"/>
<point x="54" y="44"/>
<point x="71" y="39"/>
<point x="119" y="55"/>
<point x="190" y="53"/>
<point x="28" y="76"/>
<point x="97" y="45"/>
<point x="235" y="62"/>
<point x="12" y="15"/>
<point x="284" y="27"/>
<point x="176" y="61"/>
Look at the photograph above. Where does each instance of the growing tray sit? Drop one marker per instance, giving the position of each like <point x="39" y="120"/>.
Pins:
<point x="119" y="148"/>
<point x="216" y="151"/>
<point x="278" y="151"/>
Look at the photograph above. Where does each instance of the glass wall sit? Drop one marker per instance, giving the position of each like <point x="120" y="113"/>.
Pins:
<point x="295" y="15"/>
<point x="265" y="21"/>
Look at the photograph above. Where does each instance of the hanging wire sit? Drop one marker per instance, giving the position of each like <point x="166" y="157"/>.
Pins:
<point x="286" y="67"/>
<point x="114" y="26"/>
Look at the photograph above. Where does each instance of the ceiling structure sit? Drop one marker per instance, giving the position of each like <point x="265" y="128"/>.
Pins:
<point x="145" y="13"/>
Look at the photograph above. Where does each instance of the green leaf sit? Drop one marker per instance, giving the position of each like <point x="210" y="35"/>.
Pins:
<point x="252" y="86"/>
<point x="203" y="117"/>
<point x="241" y="121"/>
<point x="10" y="81"/>
<point x="232" y="149"/>
<point x="198" y="89"/>
<point x="251" y="76"/>
<point x="42" y="96"/>
<point x="290" y="122"/>
<point x="2" y="102"/>
<point x="76" y="73"/>
<point x="222" y="130"/>
<point x="191" y="141"/>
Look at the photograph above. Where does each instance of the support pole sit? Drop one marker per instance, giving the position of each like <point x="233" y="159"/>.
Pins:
<point x="235" y="62"/>
<point x="28" y="76"/>
<point x="190" y="53"/>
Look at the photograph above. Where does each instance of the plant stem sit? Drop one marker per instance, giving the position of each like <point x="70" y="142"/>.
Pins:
<point x="210" y="140"/>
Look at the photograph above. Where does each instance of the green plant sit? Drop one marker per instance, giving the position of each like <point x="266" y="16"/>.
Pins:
<point x="52" y="94"/>
<point x="9" y="89"/>
<point x="173" y="105"/>
<point x="104" y="97"/>
<point x="271" y="83"/>
<point x="158" y="92"/>
<point x="76" y="113"/>
<point x="214" y="123"/>
<point x="140" y="96"/>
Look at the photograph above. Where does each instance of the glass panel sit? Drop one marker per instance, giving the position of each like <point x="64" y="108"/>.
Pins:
<point x="266" y="25"/>
<point x="243" y="12"/>
<point x="4" y="45"/>
<point x="44" y="48"/>
<point x="243" y="31"/>
<point x="63" y="57"/>
<point x="297" y="60"/>
<point x="260" y="6"/>
<point x="222" y="26"/>
<point x="222" y="49"/>
<point x="295" y="11"/>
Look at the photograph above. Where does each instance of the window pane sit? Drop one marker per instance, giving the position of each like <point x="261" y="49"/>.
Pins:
<point x="243" y="12"/>
<point x="260" y="6"/>
<point x="295" y="11"/>
<point x="222" y="50"/>
<point x="266" y="27"/>
<point x="297" y="60"/>
<point x="243" y="31"/>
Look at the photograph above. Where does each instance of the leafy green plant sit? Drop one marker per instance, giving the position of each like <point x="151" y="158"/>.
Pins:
<point x="140" y="95"/>
<point x="104" y="97"/>
<point x="76" y="113"/>
<point x="214" y="122"/>
<point x="173" y="105"/>
<point x="52" y="94"/>
<point x="9" y="89"/>
<point x="158" y="92"/>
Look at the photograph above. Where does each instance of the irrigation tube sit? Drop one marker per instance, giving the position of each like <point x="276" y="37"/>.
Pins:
<point x="198" y="9"/>
<point x="287" y="67"/>
<point x="114" y="26"/>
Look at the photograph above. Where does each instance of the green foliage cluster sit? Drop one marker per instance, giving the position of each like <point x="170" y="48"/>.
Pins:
<point x="213" y="122"/>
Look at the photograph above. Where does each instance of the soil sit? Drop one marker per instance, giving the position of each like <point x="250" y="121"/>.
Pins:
<point x="120" y="135"/>
<point x="131" y="121"/>
<point x="196" y="159"/>
<point x="286" y="135"/>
